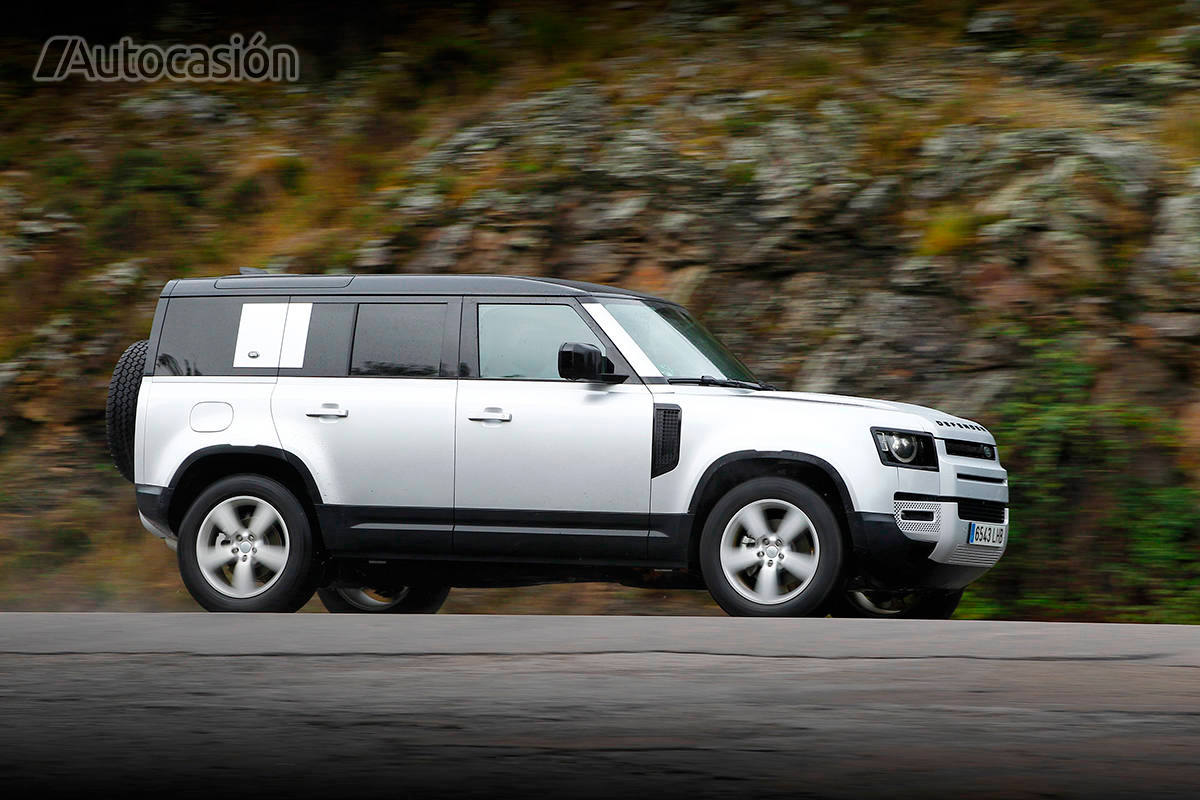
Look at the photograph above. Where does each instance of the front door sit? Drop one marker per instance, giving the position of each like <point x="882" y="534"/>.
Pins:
<point x="545" y="468"/>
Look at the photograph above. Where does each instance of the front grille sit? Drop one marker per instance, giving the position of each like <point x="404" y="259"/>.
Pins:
<point x="981" y="510"/>
<point x="957" y="447"/>
<point x="971" y="555"/>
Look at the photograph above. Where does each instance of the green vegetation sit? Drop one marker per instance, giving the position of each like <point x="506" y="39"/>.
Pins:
<point x="1104" y="524"/>
<point x="1191" y="50"/>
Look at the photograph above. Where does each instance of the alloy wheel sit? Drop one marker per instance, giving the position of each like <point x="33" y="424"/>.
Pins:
<point x="769" y="551"/>
<point x="242" y="546"/>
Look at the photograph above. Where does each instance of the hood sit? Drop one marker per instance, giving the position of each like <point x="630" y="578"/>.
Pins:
<point x="941" y="424"/>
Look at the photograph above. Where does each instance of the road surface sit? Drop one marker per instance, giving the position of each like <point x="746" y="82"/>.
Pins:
<point x="191" y="705"/>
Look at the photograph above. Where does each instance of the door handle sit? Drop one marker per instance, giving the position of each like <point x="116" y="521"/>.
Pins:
<point x="491" y="415"/>
<point x="328" y="410"/>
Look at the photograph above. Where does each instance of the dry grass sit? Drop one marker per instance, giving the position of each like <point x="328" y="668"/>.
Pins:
<point x="949" y="230"/>
<point x="1179" y="130"/>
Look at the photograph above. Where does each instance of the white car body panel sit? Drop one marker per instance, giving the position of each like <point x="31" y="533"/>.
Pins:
<point x="569" y="446"/>
<point x="165" y="418"/>
<point x="394" y="447"/>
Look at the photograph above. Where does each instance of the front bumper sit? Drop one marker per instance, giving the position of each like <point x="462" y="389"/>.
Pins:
<point x="923" y="543"/>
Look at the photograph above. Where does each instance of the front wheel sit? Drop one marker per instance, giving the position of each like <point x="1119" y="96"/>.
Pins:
<point x="930" y="604"/>
<point x="364" y="600"/>
<point x="771" y="548"/>
<point x="246" y="545"/>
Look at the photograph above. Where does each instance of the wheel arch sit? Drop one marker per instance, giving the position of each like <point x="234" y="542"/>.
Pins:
<point x="736" y="468"/>
<point x="208" y="465"/>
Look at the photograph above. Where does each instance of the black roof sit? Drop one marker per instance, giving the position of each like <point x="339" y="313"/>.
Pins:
<point x="506" y="285"/>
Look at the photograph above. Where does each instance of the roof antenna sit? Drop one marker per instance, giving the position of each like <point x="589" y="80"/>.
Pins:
<point x="252" y="271"/>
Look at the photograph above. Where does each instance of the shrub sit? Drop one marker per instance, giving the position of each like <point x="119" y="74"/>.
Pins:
<point x="555" y="35"/>
<point x="1191" y="50"/>
<point x="741" y="174"/>
<point x="147" y="170"/>
<point x="455" y="66"/>
<point x="809" y="65"/>
<point x="246" y="196"/>
<point x="1119" y="544"/>
<point x="290" y="172"/>
<point x="67" y="171"/>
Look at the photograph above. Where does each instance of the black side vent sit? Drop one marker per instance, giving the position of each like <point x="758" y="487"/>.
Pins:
<point x="668" y="425"/>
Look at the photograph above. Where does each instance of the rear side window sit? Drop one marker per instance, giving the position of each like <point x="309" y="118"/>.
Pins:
<point x="326" y="344"/>
<point x="221" y="336"/>
<point x="399" y="340"/>
<point x="522" y="341"/>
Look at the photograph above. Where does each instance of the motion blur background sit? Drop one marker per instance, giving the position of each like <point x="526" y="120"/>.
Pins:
<point x="992" y="208"/>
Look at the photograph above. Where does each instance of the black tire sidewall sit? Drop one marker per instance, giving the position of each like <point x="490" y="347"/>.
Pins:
<point x="294" y="587"/>
<point x="426" y="599"/>
<point x="828" y="533"/>
<point x="120" y="408"/>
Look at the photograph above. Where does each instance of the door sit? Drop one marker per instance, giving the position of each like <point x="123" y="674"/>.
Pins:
<point x="545" y="468"/>
<point x="371" y="414"/>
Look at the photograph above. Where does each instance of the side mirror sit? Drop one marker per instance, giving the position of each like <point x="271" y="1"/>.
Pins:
<point x="580" y="362"/>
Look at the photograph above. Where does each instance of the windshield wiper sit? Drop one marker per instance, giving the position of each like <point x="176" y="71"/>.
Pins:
<point x="709" y="380"/>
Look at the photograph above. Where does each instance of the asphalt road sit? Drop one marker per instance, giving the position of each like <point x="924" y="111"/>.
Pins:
<point x="183" y="705"/>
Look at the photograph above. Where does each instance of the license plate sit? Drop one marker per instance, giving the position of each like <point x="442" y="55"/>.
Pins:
<point x="986" y="535"/>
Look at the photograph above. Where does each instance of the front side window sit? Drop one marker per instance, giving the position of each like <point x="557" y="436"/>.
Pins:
<point x="519" y="340"/>
<point x="680" y="347"/>
<point x="398" y="340"/>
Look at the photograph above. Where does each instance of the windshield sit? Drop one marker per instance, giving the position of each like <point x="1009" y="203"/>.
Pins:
<point x="677" y="344"/>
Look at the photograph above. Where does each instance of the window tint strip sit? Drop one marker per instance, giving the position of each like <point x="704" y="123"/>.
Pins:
<point x="295" y="335"/>
<point x="260" y="334"/>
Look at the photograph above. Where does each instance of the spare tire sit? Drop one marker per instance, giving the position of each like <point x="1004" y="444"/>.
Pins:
<point x="120" y="412"/>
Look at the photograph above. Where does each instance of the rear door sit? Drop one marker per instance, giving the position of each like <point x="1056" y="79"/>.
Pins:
<point x="547" y="468"/>
<point x="371" y="414"/>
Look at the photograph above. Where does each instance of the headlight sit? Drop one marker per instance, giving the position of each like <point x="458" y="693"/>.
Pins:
<point x="905" y="449"/>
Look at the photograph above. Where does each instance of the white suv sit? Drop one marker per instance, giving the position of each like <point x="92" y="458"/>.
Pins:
<point x="383" y="438"/>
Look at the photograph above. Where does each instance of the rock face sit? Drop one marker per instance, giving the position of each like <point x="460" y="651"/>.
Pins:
<point x="797" y="256"/>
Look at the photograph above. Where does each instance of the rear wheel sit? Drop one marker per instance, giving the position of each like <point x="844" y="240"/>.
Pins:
<point x="771" y="548"/>
<point x="930" y="604"/>
<point x="364" y="600"/>
<point x="246" y="545"/>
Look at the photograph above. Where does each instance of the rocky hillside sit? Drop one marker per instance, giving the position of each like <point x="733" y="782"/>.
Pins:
<point x="993" y="209"/>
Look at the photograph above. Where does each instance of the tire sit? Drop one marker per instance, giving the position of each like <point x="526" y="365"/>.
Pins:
<point x="930" y="604"/>
<point x="120" y="410"/>
<point x="282" y="581"/>
<point x="406" y="600"/>
<point x="745" y="584"/>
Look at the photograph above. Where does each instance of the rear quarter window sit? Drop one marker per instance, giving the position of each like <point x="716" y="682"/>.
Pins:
<point x="200" y="336"/>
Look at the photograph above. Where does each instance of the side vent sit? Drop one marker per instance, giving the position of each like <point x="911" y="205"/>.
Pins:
<point x="668" y="425"/>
